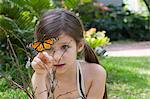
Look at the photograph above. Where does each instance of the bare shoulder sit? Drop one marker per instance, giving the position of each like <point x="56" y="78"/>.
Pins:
<point x="95" y="79"/>
<point x="95" y="70"/>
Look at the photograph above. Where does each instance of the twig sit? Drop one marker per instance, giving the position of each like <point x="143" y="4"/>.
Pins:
<point x="69" y="92"/>
<point x="19" y="86"/>
<point x="17" y="64"/>
<point x="53" y="76"/>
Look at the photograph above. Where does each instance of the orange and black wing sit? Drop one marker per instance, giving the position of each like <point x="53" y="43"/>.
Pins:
<point x="38" y="46"/>
<point x="48" y="43"/>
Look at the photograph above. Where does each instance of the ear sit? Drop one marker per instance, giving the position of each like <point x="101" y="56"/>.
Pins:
<point x="80" y="46"/>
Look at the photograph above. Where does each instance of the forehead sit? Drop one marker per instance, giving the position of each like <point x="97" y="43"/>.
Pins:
<point x="63" y="39"/>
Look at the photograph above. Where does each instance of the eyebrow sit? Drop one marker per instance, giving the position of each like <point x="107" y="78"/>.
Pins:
<point x="63" y="42"/>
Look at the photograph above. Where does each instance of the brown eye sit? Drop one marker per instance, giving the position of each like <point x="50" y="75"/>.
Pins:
<point x="65" y="47"/>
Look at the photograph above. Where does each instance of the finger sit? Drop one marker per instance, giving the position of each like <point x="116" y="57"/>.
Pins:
<point x="40" y="63"/>
<point x="43" y="58"/>
<point x="35" y="66"/>
<point x="50" y="59"/>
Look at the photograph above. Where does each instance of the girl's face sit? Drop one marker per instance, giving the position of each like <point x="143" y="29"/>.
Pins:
<point x="64" y="53"/>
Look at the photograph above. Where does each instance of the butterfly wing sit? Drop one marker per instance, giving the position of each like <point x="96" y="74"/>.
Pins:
<point x="38" y="46"/>
<point x="48" y="43"/>
<point x="35" y="44"/>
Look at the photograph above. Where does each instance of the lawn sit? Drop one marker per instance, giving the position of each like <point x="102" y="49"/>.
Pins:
<point x="128" y="78"/>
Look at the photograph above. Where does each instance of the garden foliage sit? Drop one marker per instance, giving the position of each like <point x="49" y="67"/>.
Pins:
<point x="18" y="19"/>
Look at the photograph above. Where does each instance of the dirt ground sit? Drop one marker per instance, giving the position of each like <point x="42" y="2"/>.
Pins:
<point x="128" y="49"/>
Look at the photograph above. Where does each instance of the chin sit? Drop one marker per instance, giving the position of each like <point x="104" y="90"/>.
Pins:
<point x="60" y="71"/>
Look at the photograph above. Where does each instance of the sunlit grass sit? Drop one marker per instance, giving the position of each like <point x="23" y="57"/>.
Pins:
<point x="128" y="77"/>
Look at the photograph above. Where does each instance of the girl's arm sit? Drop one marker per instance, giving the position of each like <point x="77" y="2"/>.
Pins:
<point x="41" y="64"/>
<point x="97" y="88"/>
<point x="39" y="86"/>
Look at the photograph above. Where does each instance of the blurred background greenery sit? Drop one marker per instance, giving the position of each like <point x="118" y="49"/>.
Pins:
<point x="104" y="22"/>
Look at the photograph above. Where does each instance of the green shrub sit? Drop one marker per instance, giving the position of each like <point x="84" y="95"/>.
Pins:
<point x="95" y="39"/>
<point x="119" y="24"/>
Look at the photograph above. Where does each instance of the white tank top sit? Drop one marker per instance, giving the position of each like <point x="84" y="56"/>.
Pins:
<point x="80" y="82"/>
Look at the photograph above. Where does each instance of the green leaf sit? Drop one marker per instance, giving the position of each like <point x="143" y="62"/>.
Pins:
<point x="71" y="3"/>
<point x="7" y="23"/>
<point x="86" y="1"/>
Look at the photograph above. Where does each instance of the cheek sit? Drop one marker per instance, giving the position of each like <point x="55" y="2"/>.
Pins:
<point x="71" y="54"/>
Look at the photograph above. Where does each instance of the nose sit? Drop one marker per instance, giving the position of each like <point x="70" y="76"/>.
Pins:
<point x="58" y="56"/>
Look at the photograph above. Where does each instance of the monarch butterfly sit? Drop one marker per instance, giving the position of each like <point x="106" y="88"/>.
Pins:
<point x="40" y="46"/>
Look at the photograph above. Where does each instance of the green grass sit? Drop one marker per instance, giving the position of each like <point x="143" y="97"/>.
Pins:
<point x="13" y="94"/>
<point x="128" y="77"/>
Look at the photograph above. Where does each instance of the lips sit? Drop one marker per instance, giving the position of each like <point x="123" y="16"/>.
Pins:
<point x="59" y="65"/>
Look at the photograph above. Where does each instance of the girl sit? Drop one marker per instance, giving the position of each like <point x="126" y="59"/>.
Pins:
<point x="58" y="73"/>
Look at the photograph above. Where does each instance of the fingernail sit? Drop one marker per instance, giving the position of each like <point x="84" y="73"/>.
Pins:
<point x="46" y="55"/>
<point x="37" y="59"/>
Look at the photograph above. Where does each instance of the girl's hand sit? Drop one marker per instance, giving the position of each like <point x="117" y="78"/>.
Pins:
<point x="42" y="63"/>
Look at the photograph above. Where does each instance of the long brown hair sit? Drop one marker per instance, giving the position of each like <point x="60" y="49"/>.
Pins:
<point x="54" y="22"/>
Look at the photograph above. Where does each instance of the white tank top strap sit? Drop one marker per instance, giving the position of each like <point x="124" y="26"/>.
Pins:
<point x="80" y="82"/>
